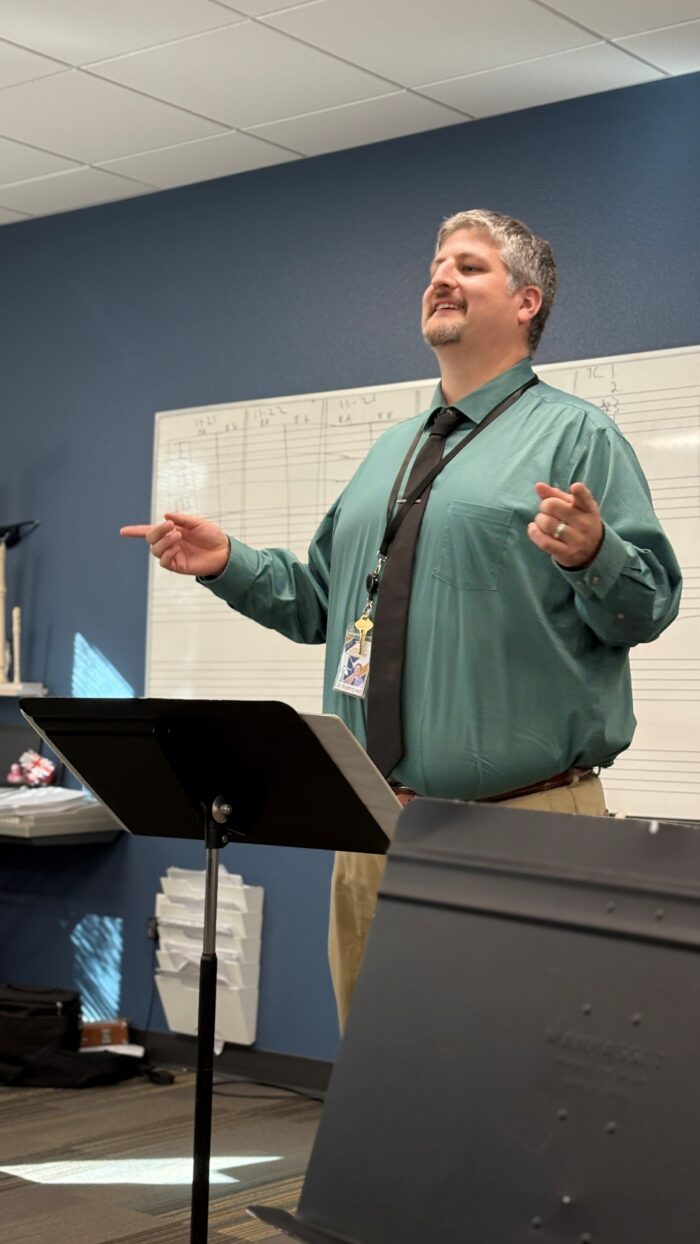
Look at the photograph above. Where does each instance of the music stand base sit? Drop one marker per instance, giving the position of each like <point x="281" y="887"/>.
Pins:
<point x="294" y="1228"/>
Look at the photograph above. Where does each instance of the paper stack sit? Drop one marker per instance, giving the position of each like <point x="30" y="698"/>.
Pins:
<point x="54" y="814"/>
<point x="180" y="915"/>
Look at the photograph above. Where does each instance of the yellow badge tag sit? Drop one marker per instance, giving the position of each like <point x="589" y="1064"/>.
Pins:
<point x="364" y="626"/>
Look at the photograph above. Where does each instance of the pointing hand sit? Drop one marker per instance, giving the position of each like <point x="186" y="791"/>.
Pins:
<point x="185" y="543"/>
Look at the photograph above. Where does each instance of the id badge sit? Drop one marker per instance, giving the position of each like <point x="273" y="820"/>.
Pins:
<point x="353" y="670"/>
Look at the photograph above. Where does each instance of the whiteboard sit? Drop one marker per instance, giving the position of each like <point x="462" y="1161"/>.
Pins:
<point x="217" y="461"/>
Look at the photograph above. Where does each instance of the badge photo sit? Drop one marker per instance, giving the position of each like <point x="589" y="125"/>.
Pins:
<point x="353" y="670"/>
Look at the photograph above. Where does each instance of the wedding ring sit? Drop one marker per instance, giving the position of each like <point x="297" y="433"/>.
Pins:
<point x="559" y="530"/>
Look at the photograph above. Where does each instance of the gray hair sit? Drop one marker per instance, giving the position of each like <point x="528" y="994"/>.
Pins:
<point x="529" y="259"/>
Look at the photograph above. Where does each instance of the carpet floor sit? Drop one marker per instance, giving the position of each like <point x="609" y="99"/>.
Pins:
<point x="113" y="1165"/>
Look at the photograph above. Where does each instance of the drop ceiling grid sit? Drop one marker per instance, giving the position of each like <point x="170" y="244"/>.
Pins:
<point x="141" y="96"/>
<point x="19" y="65"/>
<point x="444" y="39"/>
<point x="79" y="32"/>
<point x="275" y="76"/>
<point x="84" y="118"/>
<point x="677" y="48"/>
<point x="613" y="18"/>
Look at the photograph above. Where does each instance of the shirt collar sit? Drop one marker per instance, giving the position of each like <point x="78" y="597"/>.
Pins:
<point x="476" y="406"/>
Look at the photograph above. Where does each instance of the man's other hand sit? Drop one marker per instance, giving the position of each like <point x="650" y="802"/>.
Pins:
<point x="575" y="517"/>
<point x="185" y="543"/>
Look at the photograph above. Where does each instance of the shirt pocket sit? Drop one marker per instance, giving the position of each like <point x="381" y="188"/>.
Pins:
<point x="473" y="545"/>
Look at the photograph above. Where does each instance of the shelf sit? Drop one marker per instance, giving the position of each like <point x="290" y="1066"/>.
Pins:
<point x="17" y="689"/>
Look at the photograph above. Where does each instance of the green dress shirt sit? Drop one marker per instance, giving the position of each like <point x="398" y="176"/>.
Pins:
<point x="516" y="669"/>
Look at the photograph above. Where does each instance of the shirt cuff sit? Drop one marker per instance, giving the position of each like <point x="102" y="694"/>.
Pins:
<point x="596" y="580"/>
<point x="238" y="574"/>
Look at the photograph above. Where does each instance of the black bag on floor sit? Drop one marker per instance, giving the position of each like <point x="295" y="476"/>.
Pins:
<point x="72" y="1069"/>
<point x="40" y="1042"/>
<point x="32" y="1018"/>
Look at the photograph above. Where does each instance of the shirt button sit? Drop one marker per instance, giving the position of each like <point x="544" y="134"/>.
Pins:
<point x="619" y="616"/>
<point x="595" y="580"/>
<point x="579" y="582"/>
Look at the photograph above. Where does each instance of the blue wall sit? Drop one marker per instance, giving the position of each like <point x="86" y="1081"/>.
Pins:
<point x="293" y="279"/>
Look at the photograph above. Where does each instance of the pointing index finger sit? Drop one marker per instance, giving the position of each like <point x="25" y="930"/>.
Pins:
<point x="140" y="531"/>
<point x="149" y="531"/>
<point x="583" y="498"/>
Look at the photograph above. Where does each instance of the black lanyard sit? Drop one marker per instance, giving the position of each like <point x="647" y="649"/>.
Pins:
<point x="394" y="520"/>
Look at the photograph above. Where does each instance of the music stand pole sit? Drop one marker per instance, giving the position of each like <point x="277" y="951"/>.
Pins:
<point x="215" y="838"/>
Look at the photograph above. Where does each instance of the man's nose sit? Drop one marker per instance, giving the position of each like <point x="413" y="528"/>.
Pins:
<point x="444" y="274"/>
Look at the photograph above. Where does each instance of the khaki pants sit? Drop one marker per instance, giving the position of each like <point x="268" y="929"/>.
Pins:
<point x="357" y="878"/>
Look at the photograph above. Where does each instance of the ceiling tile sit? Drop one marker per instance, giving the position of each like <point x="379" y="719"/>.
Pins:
<point x="676" y="49"/>
<point x="18" y="163"/>
<point x="244" y="76"/>
<point x="353" y="125"/>
<point x="80" y="31"/>
<point x="545" y="80"/>
<point x="258" y="8"/>
<point x="10" y="218"/>
<point x="626" y="17"/>
<point x="431" y="41"/>
<point x="18" y="65"/>
<point x="76" y="115"/>
<point x="202" y="160"/>
<point x="63" y="192"/>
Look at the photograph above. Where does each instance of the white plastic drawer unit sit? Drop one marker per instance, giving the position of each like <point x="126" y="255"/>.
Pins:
<point x="231" y="891"/>
<point x="236" y="1009"/>
<point x="183" y="961"/>
<point x="228" y="919"/>
<point x="244" y="949"/>
<point x="179" y="909"/>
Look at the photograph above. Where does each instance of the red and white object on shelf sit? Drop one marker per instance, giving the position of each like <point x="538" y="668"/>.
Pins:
<point x="31" y="770"/>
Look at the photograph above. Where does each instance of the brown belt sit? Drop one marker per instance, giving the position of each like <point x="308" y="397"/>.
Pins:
<point x="570" y="777"/>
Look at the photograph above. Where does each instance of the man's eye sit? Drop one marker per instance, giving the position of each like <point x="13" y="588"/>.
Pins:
<point x="469" y="267"/>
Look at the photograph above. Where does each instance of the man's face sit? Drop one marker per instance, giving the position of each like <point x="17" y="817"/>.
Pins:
<point x="468" y="299"/>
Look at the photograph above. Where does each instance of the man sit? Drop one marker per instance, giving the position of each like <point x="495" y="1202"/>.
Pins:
<point x="507" y="677"/>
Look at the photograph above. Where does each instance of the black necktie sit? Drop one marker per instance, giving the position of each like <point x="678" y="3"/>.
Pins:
<point x="384" y="732"/>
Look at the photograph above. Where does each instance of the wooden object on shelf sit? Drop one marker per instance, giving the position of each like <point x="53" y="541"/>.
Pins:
<point x="22" y="688"/>
<point x="16" y="644"/>
<point x="11" y="534"/>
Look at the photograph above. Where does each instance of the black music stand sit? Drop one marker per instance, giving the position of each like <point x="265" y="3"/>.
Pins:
<point x="520" y="1060"/>
<point x="220" y="771"/>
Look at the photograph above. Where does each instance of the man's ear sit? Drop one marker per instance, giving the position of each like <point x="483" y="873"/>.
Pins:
<point x="529" y="303"/>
